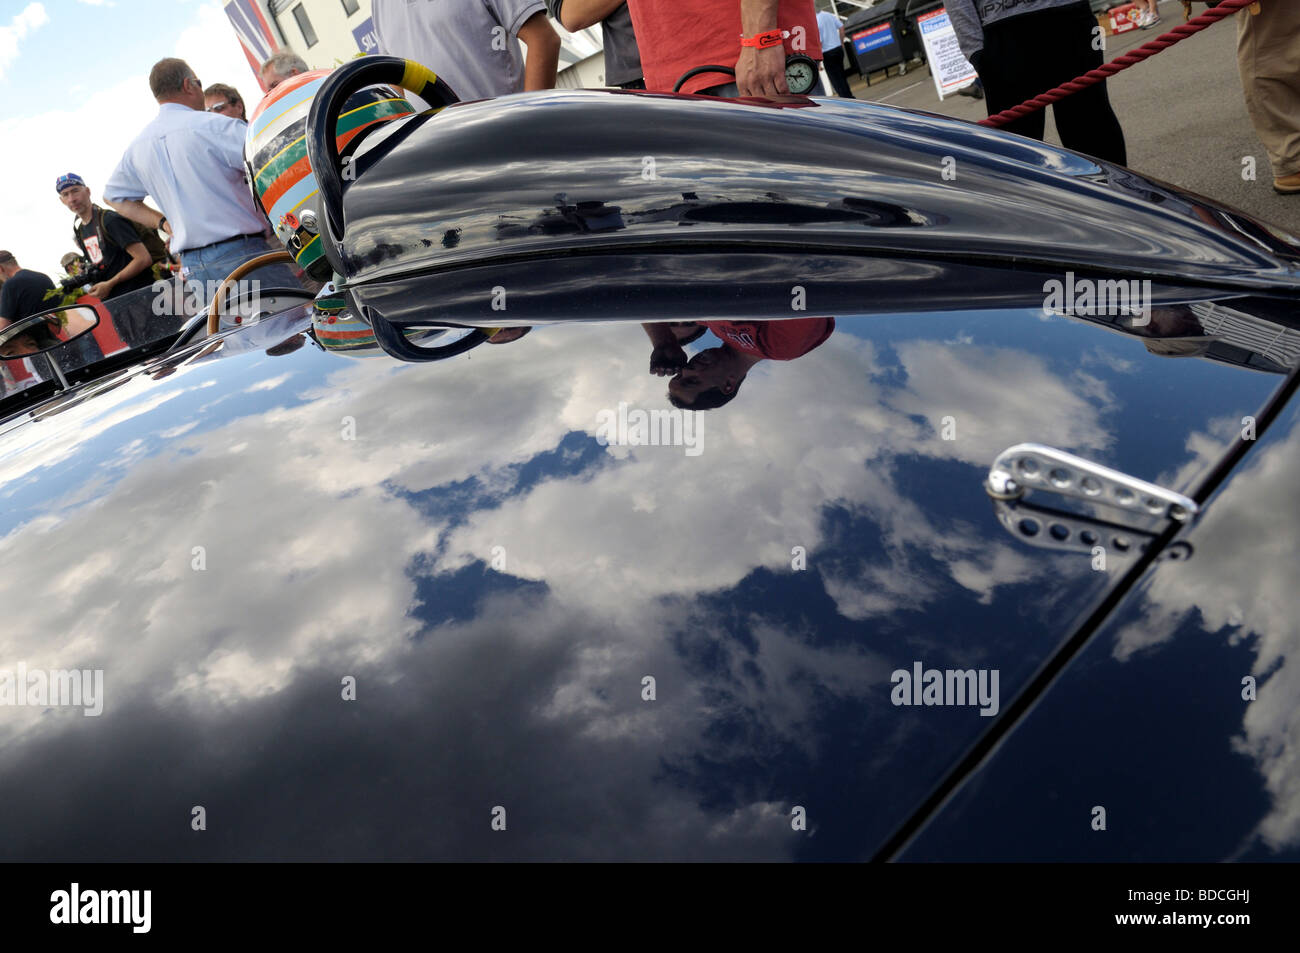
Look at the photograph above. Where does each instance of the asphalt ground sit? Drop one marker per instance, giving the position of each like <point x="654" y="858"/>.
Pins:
<point x="1184" y="119"/>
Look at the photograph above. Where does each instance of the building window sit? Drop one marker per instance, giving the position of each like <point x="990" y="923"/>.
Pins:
<point x="350" y="7"/>
<point x="308" y="34"/>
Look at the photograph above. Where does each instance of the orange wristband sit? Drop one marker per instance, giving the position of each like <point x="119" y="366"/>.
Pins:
<point x="764" y="40"/>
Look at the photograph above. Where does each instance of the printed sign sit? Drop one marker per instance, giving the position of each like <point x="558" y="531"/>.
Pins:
<point x="882" y="34"/>
<point x="1125" y="18"/>
<point x="367" y="41"/>
<point x="948" y="66"/>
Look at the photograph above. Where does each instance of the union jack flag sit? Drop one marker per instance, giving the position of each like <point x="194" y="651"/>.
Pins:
<point x="254" y="31"/>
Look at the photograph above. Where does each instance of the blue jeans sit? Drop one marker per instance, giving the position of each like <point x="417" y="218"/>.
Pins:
<point x="209" y="266"/>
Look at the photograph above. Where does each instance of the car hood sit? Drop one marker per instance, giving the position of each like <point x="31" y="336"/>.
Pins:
<point x="635" y="650"/>
<point x="613" y="171"/>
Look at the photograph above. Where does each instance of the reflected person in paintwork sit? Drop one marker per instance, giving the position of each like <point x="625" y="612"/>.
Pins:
<point x="1257" y="328"/>
<point x="712" y="378"/>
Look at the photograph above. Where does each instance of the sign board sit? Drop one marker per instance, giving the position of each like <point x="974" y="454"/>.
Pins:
<point x="948" y="66"/>
<point x="367" y="40"/>
<point x="882" y="34"/>
<point x="1123" y="19"/>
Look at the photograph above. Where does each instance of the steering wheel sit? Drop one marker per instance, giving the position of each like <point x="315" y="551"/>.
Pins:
<point x="270" y="258"/>
<point x="389" y="338"/>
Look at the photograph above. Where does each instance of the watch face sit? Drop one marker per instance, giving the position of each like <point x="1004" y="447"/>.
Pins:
<point x="800" y="75"/>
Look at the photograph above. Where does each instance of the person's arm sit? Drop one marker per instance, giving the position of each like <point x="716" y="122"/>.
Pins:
<point x="140" y="260"/>
<point x="124" y="193"/>
<point x="970" y="31"/>
<point x="543" y="52"/>
<point x="575" y="15"/>
<point x="137" y="211"/>
<point x="760" y="72"/>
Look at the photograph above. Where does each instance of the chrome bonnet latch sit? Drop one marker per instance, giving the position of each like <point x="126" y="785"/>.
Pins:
<point x="1032" y="466"/>
<point x="1033" y="469"/>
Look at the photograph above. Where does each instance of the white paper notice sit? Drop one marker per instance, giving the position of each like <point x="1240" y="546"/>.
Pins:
<point x="948" y="66"/>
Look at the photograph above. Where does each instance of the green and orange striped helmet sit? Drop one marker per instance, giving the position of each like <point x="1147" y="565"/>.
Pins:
<point x="280" y="174"/>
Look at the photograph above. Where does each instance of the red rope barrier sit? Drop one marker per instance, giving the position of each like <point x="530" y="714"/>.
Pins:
<point x="1132" y="57"/>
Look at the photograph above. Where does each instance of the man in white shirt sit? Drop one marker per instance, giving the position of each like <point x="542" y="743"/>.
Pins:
<point x="191" y="163"/>
<point x="472" y="44"/>
<point x="831" y="29"/>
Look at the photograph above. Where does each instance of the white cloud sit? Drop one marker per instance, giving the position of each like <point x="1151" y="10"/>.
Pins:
<point x="342" y="588"/>
<point x="32" y="17"/>
<point x="90" y="138"/>
<point x="1244" y="600"/>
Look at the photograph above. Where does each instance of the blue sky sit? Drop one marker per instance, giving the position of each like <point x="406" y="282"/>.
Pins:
<point x="74" y="88"/>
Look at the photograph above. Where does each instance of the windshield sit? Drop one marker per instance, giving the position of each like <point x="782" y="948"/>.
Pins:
<point x="131" y="322"/>
<point x="131" y="326"/>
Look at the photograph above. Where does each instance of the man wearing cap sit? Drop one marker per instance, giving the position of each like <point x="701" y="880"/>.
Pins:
<point x="120" y="262"/>
<point x="191" y="162"/>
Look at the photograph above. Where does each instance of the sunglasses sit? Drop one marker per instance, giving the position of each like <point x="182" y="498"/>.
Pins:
<point x="221" y="107"/>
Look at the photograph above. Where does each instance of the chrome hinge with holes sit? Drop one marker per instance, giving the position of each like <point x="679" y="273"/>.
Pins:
<point x="1032" y="467"/>
<point x="1047" y="528"/>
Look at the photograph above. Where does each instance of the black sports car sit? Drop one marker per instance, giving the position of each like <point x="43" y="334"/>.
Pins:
<point x="869" y="485"/>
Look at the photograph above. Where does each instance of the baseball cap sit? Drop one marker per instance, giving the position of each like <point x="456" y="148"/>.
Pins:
<point x="66" y="181"/>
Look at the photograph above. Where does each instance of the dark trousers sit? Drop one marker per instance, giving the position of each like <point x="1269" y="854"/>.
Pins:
<point x="833" y="60"/>
<point x="1034" y="52"/>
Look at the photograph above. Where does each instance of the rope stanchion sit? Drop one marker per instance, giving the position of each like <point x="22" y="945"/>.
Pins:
<point x="1132" y="57"/>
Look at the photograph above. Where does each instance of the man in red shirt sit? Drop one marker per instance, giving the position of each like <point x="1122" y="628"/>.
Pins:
<point x="677" y="35"/>
<point x="713" y="377"/>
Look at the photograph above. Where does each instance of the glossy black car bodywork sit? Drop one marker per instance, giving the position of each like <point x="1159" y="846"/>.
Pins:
<point x="634" y="199"/>
<point x="230" y="534"/>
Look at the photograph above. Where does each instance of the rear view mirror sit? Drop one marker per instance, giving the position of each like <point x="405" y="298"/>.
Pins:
<point x="44" y="332"/>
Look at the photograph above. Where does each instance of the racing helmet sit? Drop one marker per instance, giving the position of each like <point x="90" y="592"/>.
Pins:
<point x="279" y="173"/>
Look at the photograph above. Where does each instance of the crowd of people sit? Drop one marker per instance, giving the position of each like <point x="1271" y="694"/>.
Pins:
<point x="203" y="221"/>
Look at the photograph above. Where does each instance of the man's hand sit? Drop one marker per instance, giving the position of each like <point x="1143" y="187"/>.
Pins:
<point x="101" y="290"/>
<point x="667" y="359"/>
<point x="762" y="72"/>
<point x="666" y="355"/>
